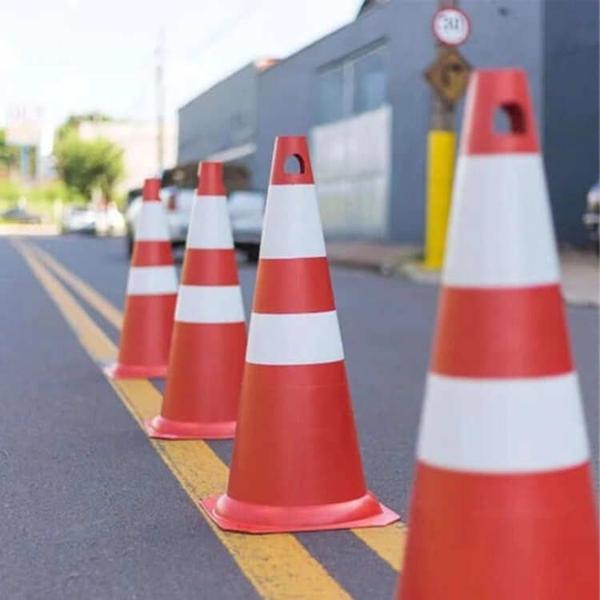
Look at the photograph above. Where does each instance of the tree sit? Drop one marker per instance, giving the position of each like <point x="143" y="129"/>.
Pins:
<point x="85" y="165"/>
<point x="8" y="154"/>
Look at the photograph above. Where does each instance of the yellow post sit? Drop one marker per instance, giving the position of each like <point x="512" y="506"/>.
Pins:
<point x="440" y="172"/>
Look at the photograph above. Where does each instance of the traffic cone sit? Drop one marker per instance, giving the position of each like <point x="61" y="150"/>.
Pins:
<point x="502" y="503"/>
<point x="296" y="463"/>
<point x="151" y="294"/>
<point x="209" y="338"/>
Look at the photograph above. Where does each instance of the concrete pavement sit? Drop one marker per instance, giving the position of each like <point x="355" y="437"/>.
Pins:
<point x="579" y="268"/>
<point x="91" y="506"/>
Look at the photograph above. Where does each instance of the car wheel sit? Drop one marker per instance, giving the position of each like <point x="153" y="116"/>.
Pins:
<point x="252" y="253"/>
<point x="129" y="244"/>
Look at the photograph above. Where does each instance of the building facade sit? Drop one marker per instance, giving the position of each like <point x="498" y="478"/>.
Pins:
<point x="360" y="96"/>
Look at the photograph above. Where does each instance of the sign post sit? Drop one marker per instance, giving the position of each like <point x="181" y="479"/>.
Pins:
<point x="448" y="75"/>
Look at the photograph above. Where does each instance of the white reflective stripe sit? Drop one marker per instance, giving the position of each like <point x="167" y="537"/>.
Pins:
<point x="501" y="230"/>
<point x="503" y="426"/>
<point x="209" y="304"/>
<point x="300" y="339"/>
<point x="151" y="223"/>
<point x="209" y="223"/>
<point x="150" y="281"/>
<point x="292" y="225"/>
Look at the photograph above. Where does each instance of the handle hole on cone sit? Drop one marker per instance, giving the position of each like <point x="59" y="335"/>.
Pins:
<point x="509" y="119"/>
<point x="294" y="165"/>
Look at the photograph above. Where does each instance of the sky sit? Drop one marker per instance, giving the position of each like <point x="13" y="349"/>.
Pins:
<point x="74" y="56"/>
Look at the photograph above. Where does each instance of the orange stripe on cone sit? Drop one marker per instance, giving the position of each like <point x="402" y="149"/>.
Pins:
<point x="209" y="267"/>
<point x="209" y="338"/>
<point x="151" y="295"/>
<point x="293" y="286"/>
<point x="296" y="463"/>
<point x="526" y="326"/>
<point x="502" y="504"/>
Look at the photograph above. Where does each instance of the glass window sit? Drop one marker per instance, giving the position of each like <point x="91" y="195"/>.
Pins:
<point x="369" y="82"/>
<point x="330" y="104"/>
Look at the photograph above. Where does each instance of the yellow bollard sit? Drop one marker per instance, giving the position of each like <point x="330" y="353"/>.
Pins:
<point x="440" y="172"/>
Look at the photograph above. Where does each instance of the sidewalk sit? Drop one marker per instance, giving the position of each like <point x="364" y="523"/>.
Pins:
<point x="579" y="268"/>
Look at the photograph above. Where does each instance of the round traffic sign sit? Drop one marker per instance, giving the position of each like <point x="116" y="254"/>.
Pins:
<point x="451" y="26"/>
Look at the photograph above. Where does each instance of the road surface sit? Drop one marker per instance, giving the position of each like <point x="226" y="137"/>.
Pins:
<point x="91" y="509"/>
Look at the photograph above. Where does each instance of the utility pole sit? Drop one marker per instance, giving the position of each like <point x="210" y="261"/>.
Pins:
<point x="160" y="102"/>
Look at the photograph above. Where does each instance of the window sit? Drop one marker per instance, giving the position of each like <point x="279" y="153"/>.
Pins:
<point x="352" y="87"/>
<point x="369" y="82"/>
<point x="331" y="95"/>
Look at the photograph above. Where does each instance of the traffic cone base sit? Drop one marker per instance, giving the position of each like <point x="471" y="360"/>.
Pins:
<point x="117" y="371"/>
<point x="167" y="429"/>
<point x="234" y="515"/>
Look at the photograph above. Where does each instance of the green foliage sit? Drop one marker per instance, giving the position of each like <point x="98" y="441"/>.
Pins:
<point x="10" y="191"/>
<point x="8" y="154"/>
<point x="73" y="122"/>
<point x="88" y="164"/>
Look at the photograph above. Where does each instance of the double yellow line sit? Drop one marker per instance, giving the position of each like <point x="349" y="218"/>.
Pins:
<point x="278" y="566"/>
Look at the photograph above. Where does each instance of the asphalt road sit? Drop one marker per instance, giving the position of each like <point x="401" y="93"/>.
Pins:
<point x="89" y="510"/>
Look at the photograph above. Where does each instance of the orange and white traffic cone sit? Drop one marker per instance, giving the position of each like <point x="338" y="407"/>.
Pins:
<point x="151" y="294"/>
<point x="296" y="462"/>
<point x="209" y="338"/>
<point x="502" y="505"/>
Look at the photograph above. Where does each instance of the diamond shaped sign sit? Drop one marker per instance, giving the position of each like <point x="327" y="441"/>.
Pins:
<point x="449" y="75"/>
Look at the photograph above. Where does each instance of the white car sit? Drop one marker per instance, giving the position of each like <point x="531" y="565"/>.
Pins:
<point x="245" y="211"/>
<point x="78" y="219"/>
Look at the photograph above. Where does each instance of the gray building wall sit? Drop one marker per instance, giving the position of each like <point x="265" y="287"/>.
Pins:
<point x="507" y="32"/>
<point x="222" y="118"/>
<point x="571" y="110"/>
<point x="556" y="41"/>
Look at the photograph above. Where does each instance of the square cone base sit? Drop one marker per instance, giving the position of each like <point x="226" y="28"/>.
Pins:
<point x="167" y="429"/>
<point x="120" y="371"/>
<point x="233" y="515"/>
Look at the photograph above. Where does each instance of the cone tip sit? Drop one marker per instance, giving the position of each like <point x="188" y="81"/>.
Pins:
<point x="151" y="191"/>
<point x="291" y="161"/>
<point x="210" y="179"/>
<point x="493" y="91"/>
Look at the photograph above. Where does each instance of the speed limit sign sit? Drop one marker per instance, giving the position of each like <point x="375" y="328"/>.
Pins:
<point x="451" y="26"/>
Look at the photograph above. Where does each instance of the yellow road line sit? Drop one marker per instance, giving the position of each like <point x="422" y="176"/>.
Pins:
<point x="387" y="542"/>
<point x="112" y="314"/>
<point x="278" y="566"/>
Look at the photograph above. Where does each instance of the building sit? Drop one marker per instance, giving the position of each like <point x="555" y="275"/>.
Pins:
<point x="360" y="96"/>
<point x="139" y="143"/>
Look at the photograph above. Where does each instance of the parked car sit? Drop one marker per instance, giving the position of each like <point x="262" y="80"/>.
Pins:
<point x="245" y="211"/>
<point x="591" y="217"/>
<point x="78" y="219"/>
<point x="109" y="220"/>
<point x="18" y="214"/>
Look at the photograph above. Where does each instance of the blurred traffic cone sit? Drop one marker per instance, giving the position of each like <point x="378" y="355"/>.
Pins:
<point x="151" y="294"/>
<point x="296" y="463"/>
<point x="502" y="504"/>
<point x="209" y="339"/>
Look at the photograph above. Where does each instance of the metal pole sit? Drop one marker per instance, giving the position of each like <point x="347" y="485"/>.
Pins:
<point x="160" y="102"/>
<point x="441" y="141"/>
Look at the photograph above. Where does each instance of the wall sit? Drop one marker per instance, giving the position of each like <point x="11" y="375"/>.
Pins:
<point x="220" y="119"/>
<point x="571" y="110"/>
<point x="507" y="32"/>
